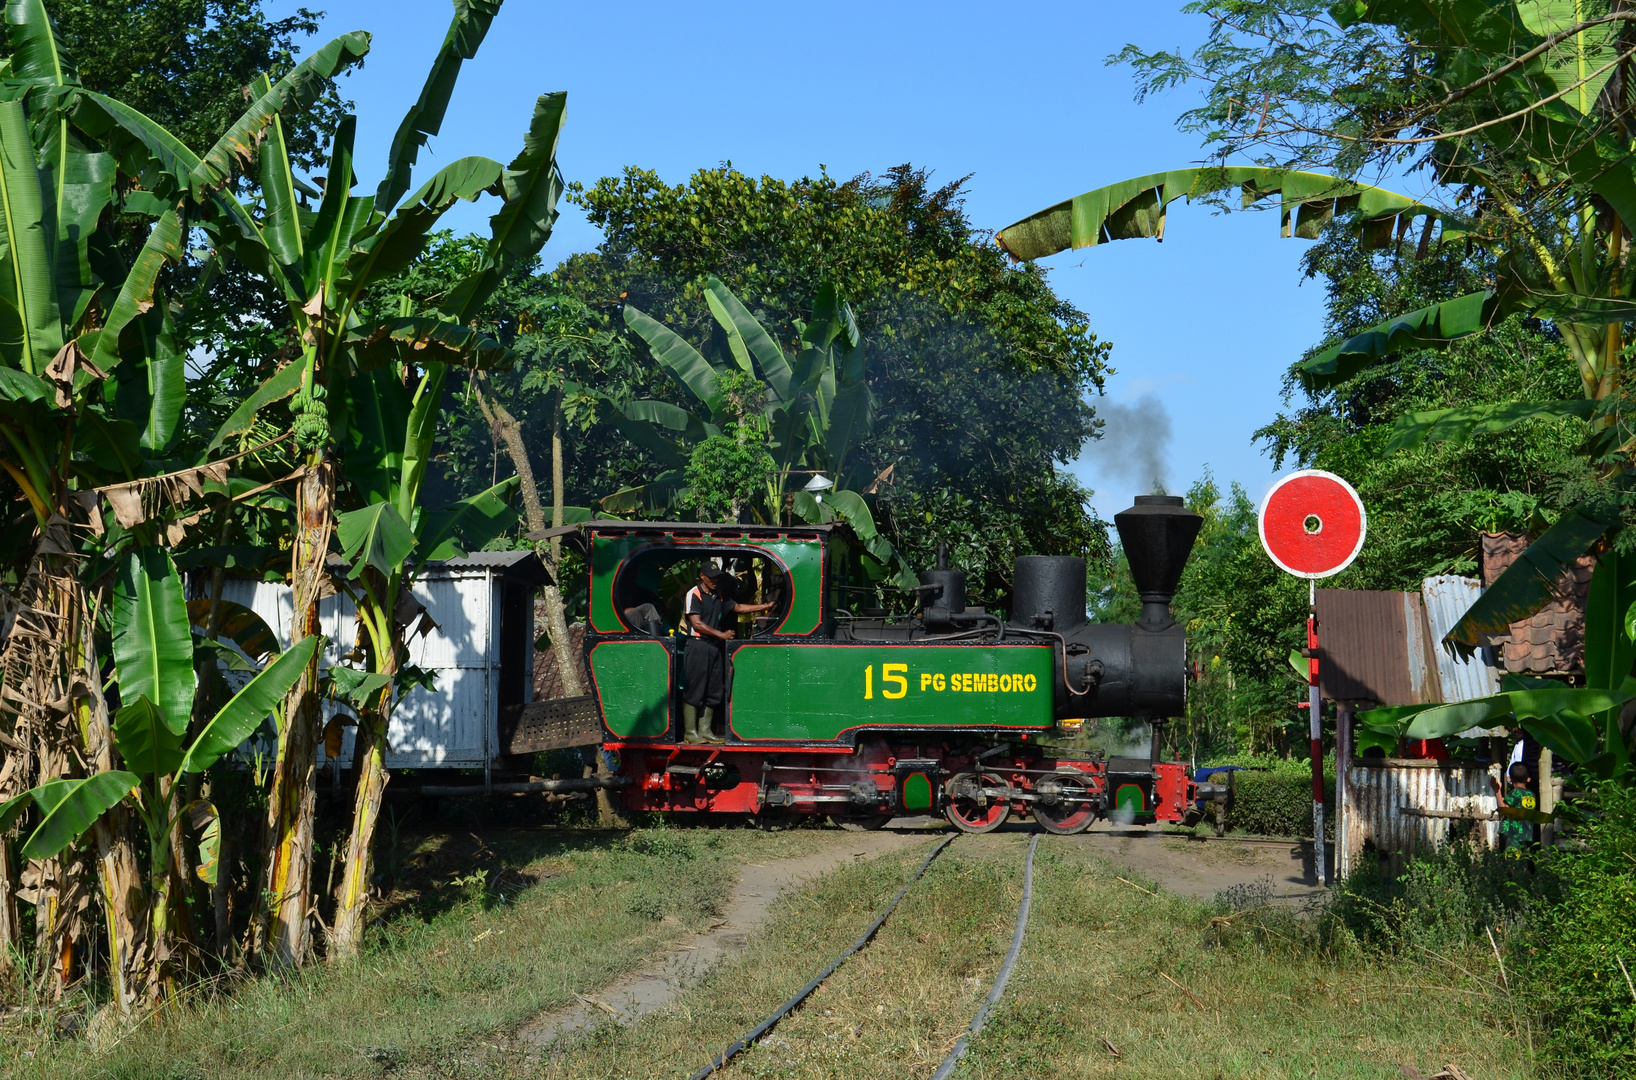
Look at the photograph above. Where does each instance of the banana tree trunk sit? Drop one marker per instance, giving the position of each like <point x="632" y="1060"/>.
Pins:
<point x="285" y="937"/>
<point x="44" y="651"/>
<point x="10" y="932"/>
<point x="160" y="981"/>
<point x="352" y="906"/>
<point x="119" y="878"/>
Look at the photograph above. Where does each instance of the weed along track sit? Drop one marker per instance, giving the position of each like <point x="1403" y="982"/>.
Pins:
<point x="954" y="1055"/>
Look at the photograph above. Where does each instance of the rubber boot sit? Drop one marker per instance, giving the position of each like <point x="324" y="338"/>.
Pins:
<point x="690" y="724"/>
<point x="707" y="727"/>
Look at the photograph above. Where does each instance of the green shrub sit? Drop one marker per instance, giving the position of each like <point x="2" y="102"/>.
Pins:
<point x="1272" y="796"/>
<point x="1451" y="898"/>
<point x="1576" y="972"/>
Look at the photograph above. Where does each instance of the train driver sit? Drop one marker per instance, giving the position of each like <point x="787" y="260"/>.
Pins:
<point x="708" y="614"/>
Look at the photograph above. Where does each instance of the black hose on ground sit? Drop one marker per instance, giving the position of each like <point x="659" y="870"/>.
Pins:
<point x="998" y="988"/>
<point x="802" y="994"/>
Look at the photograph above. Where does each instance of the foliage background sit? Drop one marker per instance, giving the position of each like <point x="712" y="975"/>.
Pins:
<point x="980" y="372"/>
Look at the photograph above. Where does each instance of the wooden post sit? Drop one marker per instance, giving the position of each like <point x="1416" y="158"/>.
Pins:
<point x="1547" y="797"/>
<point x="1343" y="762"/>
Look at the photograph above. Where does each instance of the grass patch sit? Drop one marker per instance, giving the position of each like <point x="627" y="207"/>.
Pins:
<point x="500" y="928"/>
<point x="1243" y="988"/>
<point x="1256" y="994"/>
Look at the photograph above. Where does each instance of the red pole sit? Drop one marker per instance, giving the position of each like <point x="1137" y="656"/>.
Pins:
<point x="1315" y="713"/>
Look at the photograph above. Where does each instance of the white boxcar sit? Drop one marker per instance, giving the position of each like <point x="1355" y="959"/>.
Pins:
<point x="480" y="656"/>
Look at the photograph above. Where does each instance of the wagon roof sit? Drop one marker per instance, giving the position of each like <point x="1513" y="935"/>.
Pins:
<point x="708" y="528"/>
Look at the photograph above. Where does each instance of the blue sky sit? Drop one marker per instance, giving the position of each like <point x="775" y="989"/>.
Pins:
<point x="1203" y="325"/>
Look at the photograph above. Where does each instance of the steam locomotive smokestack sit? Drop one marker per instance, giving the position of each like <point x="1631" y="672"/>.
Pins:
<point x="1157" y="535"/>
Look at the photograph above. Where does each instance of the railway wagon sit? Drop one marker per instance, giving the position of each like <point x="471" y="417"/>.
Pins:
<point x="862" y="716"/>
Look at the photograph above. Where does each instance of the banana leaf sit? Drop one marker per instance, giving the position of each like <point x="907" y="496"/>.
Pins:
<point x="530" y="187"/>
<point x="281" y="219"/>
<point x="374" y="536"/>
<point x="207" y="823"/>
<point x="31" y="326"/>
<point x="145" y="740"/>
<point x="1442" y="721"/>
<point x="753" y="348"/>
<point x="235" y="622"/>
<point x="152" y="644"/>
<point x="399" y="241"/>
<point x="419" y="433"/>
<point x="420" y="339"/>
<point x="243" y="714"/>
<point x="1568" y="735"/>
<point x="425" y="118"/>
<point x="37" y="54"/>
<point x="164" y="371"/>
<point x="1466" y="422"/>
<point x="657" y="494"/>
<point x="69" y="809"/>
<point x="1436" y="324"/>
<point x="1137" y="207"/>
<point x="1526" y="584"/>
<point x="284" y="382"/>
<point x="237" y="146"/>
<point x="679" y="358"/>
<point x="373" y="456"/>
<point x="358" y="686"/>
<point x="470" y="524"/>
<point x="1609" y="651"/>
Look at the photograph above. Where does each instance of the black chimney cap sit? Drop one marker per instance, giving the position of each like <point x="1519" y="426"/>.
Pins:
<point x="1157" y="535"/>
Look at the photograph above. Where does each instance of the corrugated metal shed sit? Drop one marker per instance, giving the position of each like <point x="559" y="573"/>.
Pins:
<point x="1373" y="647"/>
<point x="1406" y="807"/>
<point x="474" y="602"/>
<point x="1552" y="640"/>
<point x="1448" y="598"/>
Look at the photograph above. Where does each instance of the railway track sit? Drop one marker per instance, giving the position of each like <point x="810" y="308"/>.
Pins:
<point x="996" y="991"/>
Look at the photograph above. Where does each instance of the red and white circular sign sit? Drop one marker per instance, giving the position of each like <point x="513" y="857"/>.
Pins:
<point x="1312" y="524"/>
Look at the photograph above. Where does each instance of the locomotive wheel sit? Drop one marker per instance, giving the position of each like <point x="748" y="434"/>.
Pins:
<point x="968" y="809"/>
<point x="1063" y="818"/>
<point x="861" y="824"/>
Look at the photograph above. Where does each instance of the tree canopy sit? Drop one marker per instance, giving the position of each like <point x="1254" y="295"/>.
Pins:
<point x="979" y="372"/>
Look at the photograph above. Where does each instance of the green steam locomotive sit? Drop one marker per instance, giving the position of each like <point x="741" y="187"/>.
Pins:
<point x="824" y="711"/>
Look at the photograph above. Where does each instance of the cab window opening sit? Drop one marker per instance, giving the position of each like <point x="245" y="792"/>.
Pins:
<point x="650" y="590"/>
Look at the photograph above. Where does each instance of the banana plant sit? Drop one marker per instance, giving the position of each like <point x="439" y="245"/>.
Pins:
<point x="324" y="263"/>
<point x="154" y="670"/>
<point x="1556" y="186"/>
<point x="378" y="541"/>
<point x="92" y="377"/>
<point x="816" y="406"/>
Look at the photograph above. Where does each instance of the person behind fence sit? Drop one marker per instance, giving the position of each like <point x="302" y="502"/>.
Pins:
<point x="1516" y="833"/>
<point x="708" y="615"/>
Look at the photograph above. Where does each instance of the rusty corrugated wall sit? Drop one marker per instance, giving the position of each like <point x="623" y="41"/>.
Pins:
<point x="1374" y="647"/>
<point x="1409" y="806"/>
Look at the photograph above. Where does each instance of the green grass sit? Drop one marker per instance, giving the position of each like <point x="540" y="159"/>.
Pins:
<point x="1254" y="994"/>
<point x="1094" y="967"/>
<point x="457" y="967"/>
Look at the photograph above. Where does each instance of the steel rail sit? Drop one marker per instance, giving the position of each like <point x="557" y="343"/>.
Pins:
<point x="1000" y="980"/>
<point x="802" y="994"/>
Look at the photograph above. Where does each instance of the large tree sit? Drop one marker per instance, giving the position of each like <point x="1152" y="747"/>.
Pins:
<point x="980" y="373"/>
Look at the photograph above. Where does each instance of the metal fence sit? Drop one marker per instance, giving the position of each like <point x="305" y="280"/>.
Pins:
<point x="1405" y="807"/>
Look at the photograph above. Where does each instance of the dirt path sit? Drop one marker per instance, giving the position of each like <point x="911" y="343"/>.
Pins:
<point x="749" y="906"/>
<point x="1201" y="868"/>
